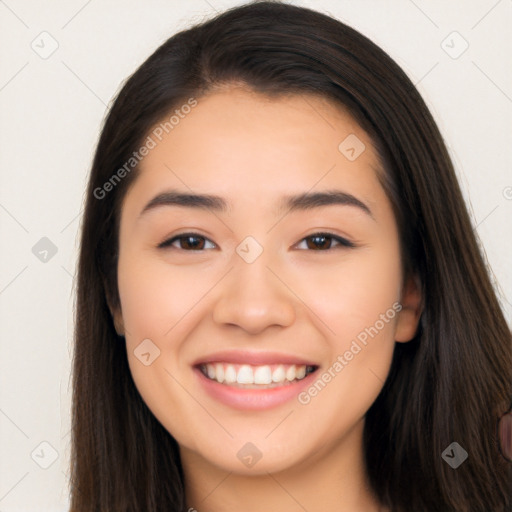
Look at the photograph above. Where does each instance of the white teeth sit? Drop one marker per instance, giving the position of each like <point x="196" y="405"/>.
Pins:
<point x="300" y="372"/>
<point x="219" y="372"/>
<point x="279" y="374"/>
<point x="245" y="375"/>
<point x="249" y="375"/>
<point x="290" y="373"/>
<point x="229" y="374"/>
<point x="262" y="375"/>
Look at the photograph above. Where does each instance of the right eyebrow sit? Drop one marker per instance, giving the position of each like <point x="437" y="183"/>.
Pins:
<point x="176" y="198"/>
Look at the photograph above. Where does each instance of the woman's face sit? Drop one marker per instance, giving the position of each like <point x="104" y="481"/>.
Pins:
<point x="266" y="285"/>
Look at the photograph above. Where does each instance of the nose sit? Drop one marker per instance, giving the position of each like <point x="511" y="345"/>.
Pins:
<point x="254" y="297"/>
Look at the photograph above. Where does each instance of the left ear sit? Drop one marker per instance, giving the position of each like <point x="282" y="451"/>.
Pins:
<point x="409" y="315"/>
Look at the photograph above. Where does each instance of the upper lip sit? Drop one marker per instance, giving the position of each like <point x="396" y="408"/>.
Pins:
<point x="254" y="358"/>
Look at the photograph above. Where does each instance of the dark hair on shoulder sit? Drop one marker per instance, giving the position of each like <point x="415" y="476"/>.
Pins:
<point x="450" y="384"/>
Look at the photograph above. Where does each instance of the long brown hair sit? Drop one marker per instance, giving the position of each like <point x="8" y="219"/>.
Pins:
<point x="450" y="384"/>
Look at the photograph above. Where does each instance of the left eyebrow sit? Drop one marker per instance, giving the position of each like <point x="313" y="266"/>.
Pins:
<point x="308" y="201"/>
<point x="300" y="202"/>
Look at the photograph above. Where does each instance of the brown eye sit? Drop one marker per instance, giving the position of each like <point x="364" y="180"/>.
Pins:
<point x="186" y="242"/>
<point x="192" y="242"/>
<point x="319" y="242"/>
<point x="324" y="242"/>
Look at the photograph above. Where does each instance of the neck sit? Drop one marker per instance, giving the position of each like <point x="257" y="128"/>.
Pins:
<point x="333" y="479"/>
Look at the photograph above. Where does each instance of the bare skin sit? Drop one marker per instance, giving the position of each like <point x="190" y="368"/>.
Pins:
<point x="301" y="296"/>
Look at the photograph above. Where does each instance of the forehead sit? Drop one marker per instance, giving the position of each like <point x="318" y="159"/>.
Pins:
<point x="248" y="147"/>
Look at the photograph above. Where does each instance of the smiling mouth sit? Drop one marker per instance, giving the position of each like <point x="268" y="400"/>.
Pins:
<point x="245" y="376"/>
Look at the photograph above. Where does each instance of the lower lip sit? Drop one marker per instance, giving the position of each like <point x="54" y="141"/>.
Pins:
<point x="253" y="399"/>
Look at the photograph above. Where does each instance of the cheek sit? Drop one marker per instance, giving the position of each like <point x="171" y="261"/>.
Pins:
<point x="157" y="304"/>
<point x="160" y="304"/>
<point x="154" y="296"/>
<point x="351" y="296"/>
<point x="360" y="308"/>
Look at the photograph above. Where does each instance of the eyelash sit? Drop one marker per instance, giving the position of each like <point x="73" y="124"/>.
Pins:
<point x="343" y="243"/>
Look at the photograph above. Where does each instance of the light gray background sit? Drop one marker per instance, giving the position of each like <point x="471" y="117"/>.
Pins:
<point x="52" y="109"/>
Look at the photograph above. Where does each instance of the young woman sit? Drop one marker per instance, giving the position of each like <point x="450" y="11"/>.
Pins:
<point x="281" y="303"/>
